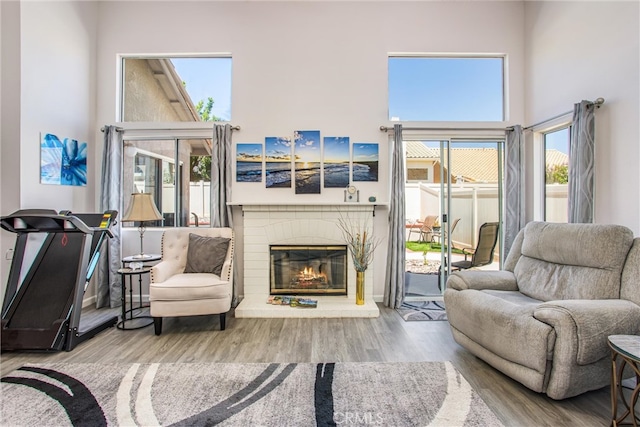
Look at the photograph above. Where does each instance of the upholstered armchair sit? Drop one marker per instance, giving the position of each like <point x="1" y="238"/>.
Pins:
<point x="195" y="276"/>
<point x="545" y="318"/>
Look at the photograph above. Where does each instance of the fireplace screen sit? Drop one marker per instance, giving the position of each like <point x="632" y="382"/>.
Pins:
<point x="308" y="270"/>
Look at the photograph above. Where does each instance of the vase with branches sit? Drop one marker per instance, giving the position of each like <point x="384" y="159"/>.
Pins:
<point x="361" y="244"/>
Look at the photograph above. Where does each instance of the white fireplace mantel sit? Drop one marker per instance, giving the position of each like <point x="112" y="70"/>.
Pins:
<point x="300" y="224"/>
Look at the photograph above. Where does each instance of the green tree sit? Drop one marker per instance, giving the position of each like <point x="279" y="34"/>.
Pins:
<point x="204" y="110"/>
<point x="201" y="165"/>
<point x="200" y="168"/>
<point x="557" y="174"/>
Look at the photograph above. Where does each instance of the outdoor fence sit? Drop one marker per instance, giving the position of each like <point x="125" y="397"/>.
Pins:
<point x="197" y="203"/>
<point x="474" y="204"/>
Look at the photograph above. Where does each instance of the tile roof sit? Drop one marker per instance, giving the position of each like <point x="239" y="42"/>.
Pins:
<point x="555" y="157"/>
<point x="472" y="164"/>
<point x="417" y="150"/>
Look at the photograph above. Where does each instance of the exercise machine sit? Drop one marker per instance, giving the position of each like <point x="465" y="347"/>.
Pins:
<point x="54" y="258"/>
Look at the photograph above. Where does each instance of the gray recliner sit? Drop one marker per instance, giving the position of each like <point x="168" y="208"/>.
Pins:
<point x="545" y="318"/>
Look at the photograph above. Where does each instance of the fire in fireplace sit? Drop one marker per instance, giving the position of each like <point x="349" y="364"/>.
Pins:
<point x="308" y="270"/>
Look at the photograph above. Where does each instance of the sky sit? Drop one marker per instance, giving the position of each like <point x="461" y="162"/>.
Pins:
<point x="558" y="140"/>
<point x="207" y="77"/>
<point x="445" y="89"/>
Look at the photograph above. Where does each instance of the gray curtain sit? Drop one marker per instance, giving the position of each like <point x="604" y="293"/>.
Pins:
<point x="221" y="176"/>
<point x="514" y="186"/>
<point x="394" y="280"/>
<point x="582" y="163"/>
<point x="108" y="284"/>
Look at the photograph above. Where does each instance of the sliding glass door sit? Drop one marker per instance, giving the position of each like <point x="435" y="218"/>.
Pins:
<point x="471" y="185"/>
<point x="460" y="183"/>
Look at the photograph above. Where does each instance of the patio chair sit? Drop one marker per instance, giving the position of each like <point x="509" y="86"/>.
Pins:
<point x="437" y="234"/>
<point x="481" y="255"/>
<point x="483" y="252"/>
<point x="424" y="228"/>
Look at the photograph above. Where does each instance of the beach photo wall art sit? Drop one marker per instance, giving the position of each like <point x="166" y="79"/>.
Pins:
<point x="365" y="162"/>
<point x="277" y="156"/>
<point x="307" y="162"/>
<point x="336" y="161"/>
<point x="248" y="162"/>
<point x="307" y="155"/>
<point x="63" y="162"/>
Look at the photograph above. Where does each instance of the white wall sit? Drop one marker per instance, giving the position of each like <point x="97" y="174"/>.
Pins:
<point x="10" y="129"/>
<point x="57" y="96"/>
<point x="586" y="50"/>
<point x="48" y="85"/>
<point x="309" y="65"/>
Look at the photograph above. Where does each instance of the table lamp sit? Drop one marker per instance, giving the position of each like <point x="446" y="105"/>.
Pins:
<point x="142" y="208"/>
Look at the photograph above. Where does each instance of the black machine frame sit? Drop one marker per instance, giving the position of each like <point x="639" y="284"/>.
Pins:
<point x="43" y="310"/>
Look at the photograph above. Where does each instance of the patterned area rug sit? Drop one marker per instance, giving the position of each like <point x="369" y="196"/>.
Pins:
<point x="234" y="394"/>
<point x="422" y="310"/>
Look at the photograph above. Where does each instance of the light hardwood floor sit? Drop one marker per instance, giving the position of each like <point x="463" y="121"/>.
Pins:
<point x="386" y="338"/>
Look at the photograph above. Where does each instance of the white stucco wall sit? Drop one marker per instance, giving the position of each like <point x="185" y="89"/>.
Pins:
<point x="310" y="66"/>
<point x="58" y="41"/>
<point x="10" y="129"/>
<point x="48" y="86"/>
<point x="586" y="50"/>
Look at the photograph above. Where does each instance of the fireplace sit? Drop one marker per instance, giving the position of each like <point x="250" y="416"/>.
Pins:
<point x="308" y="225"/>
<point x="308" y="269"/>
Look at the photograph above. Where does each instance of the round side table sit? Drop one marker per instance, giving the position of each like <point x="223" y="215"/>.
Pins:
<point x="134" y="316"/>
<point x="625" y="348"/>
<point x="134" y="258"/>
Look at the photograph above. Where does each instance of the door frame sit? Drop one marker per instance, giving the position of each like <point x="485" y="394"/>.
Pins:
<point x="447" y="137"/>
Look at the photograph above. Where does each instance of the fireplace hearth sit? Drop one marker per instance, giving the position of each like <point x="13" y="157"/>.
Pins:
<point x="308" y="270"/>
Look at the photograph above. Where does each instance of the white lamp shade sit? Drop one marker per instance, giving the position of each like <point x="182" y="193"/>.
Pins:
<point x="142" y="208"/>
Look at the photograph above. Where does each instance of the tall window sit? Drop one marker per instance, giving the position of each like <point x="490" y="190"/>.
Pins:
<point x="556" y="149"/>
<point x="446" y="88"/>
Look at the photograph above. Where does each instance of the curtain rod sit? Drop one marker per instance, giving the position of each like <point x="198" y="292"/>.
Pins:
<point x="386" y="128"/>
<point x="597" y="103"/>
<point x="119" y="129"/>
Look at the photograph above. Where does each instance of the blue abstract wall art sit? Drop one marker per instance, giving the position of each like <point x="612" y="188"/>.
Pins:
<point x="63" y="162"/>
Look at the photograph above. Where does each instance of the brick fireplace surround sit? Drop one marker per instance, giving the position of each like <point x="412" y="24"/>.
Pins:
<point x="290" y="224"/>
